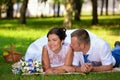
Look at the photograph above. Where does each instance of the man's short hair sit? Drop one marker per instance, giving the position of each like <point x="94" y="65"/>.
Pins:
<point x="82" y="35"/>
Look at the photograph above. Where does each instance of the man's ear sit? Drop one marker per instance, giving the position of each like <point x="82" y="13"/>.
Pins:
<point x="62" y="42"/>
<point x="82" y="45"/>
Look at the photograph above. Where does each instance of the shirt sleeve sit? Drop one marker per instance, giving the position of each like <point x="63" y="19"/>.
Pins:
<point x="77" y="59"/>
<point x="106" y="55"/>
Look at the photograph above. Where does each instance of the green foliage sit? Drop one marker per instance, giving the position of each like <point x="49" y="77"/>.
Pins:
<point x="2" y="1"/>
<point x="23" y="35"/>
<point x="56" y="1"/>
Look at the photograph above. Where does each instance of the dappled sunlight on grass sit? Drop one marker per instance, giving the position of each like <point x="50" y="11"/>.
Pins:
<point x="19" y="37"/>
<point x="110" y="17"/>
<point x="7" y="25"/>
<point x="108" y="35"/>
<point x="23" y="35"/>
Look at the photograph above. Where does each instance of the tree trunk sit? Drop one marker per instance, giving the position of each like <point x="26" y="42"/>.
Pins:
<point x="23" y="12"/>
<point x="102" y="5"/>
<point x="10" y="9"/>
<point x="94" y="12"/>
<point x="54" y="9"/>
<point x="68" y="15"/>
<point x="113" y="7"/>
<point x="0" y="11"/>
<point x="58" y="10"/>
<point x="77" y="9"/>
<point x="106" y="7"/>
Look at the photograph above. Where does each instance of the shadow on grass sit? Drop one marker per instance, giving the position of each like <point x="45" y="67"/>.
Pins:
<point x="43" y="23"/>
<point x="32" y="23"/>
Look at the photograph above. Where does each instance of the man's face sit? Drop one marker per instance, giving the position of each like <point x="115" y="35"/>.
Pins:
<point x="76" y="46"/>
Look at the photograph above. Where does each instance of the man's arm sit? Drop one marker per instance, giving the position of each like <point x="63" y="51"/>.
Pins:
<point x="102" y="68"/>
<point x="87" y="67"/>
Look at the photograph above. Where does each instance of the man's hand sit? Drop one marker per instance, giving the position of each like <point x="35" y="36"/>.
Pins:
<point x="86" y="67"/>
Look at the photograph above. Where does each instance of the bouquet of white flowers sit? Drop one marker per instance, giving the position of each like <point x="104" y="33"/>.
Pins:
<point x="27" y="67"/>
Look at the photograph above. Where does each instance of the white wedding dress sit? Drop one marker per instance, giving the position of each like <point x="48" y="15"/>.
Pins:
<point x="34" y="51"/>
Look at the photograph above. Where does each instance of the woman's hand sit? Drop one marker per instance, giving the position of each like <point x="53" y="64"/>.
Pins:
<point x="55" y="71"/>
<point x="69" y="68"/>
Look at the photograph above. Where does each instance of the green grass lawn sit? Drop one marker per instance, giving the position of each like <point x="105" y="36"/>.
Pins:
<point x="23" y="35"/>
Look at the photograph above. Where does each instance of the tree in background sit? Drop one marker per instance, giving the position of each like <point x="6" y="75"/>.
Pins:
<point x="68" y="14"/>
<point x="102" y="5"/>
<point x="22" y="19"/>
<point x="0" y="8"/>
<point x="8" y="5"/>
<point x="23" y="9"/>
<point x="113" y="7"/>
<point x="10" y="9"/>
<point x="56" y="3"/>
<point x="72" y="6"/>
<point x="58" y="9"/>
<point x="106" y="7"/>
<point x="94" y="12"/>
<point x="77" y="9"/>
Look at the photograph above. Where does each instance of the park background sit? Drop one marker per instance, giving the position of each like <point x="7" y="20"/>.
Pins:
<point x="24" y="21"/>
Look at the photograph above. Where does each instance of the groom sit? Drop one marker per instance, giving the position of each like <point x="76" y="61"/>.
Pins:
<point x="92" y="54"/>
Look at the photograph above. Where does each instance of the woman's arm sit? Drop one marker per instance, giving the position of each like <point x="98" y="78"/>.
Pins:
<point x="69" y="57"/>
<point x="68" y="61"/>
<point x="46" y="63"/>
<point x="45" y="59"/>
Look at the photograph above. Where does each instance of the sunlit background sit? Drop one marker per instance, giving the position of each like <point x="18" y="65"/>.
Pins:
<point x="49" y="8"/>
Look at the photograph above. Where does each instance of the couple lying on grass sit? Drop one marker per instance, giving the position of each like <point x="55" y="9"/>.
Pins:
<point x="84" y="53"/>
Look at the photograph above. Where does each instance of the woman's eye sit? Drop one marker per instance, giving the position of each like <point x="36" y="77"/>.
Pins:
<point x="54" y="39"/>
<point x="48" y="40"/>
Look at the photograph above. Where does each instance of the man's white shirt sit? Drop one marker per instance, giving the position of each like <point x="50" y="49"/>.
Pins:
<point x="99" y="51"/>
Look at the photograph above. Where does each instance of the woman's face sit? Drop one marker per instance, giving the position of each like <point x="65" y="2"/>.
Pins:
<point x="54" y="43"/>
